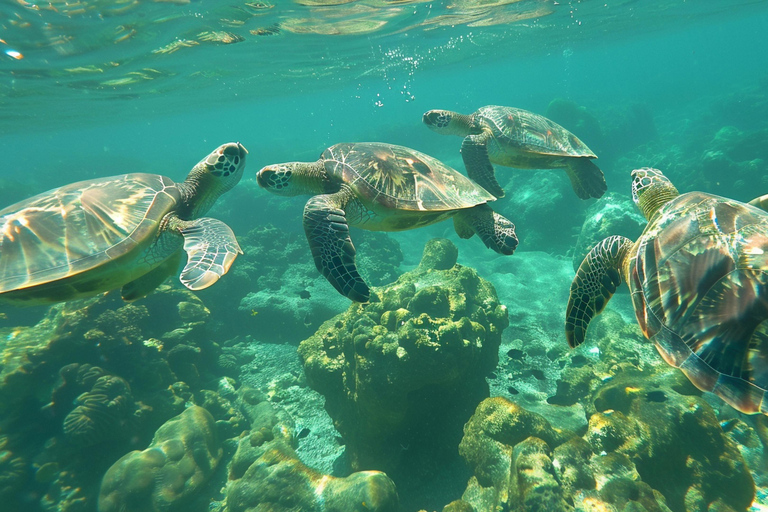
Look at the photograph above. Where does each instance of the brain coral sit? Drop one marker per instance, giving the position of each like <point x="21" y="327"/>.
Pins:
<point x="182" y="456"/>
<point x="101" y="413"/>
<point x="401" y="376"/>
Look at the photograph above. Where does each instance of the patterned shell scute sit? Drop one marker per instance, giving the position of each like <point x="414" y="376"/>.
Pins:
<point x="700" y="287"/>
<point x="532" y="132"/>
<point x="401" y="178"/>
<point x="75" y="228"/>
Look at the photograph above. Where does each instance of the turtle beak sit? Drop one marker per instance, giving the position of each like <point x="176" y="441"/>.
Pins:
<point x="264" y="176"/>
<point x="429" y="117"/>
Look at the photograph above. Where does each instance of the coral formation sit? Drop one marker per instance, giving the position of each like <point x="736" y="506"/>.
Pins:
<point x="266" y="474"/>
<point x="401" y="375"/>
<point x="93" y="380"/>
<point x="100" y="414"/>
<point x="182" y="456"/>
<point x="519" y="460"/>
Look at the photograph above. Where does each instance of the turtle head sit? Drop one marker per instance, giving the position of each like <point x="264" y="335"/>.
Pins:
<point x="651" y="190"/>
<point x="212" y="176"/>
<point x="448" y="123"/>
<point x="292" y="178"/>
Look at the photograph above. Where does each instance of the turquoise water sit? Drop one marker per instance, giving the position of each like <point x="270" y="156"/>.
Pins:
<point x="97" y="88"/>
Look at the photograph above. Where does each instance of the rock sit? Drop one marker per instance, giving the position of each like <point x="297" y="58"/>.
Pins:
<point x="402" y="375"/>
<point x="439" y="254"/>
<point x="182" y="456"/>
<point x="266" y="474"/>
<point x="490" y="437"/>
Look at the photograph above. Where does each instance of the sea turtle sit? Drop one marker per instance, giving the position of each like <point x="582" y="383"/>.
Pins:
<point x="698" y="276"/>
<point x="381" y="187"/>
<point x="122" y="231"/>
<point x="514" y="137"/>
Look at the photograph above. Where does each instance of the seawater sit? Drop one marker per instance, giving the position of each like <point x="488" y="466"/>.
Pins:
<point x="92" y="88"/>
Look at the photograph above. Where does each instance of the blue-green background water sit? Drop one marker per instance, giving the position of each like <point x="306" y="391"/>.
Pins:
<point x="93" y="97"/>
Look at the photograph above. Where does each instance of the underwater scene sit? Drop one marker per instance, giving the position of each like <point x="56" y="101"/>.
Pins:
<point x="383" y="256"/>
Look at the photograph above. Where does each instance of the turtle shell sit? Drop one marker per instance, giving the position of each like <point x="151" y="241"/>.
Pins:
<point x="401" y="178"/>
<point x="699" y="282"/>
<point x="76" y="228"/>
<point x="531" y="132"/>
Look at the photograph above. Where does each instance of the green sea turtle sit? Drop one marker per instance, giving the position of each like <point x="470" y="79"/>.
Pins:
<point x="381" y="187"/>
<point x="698" y="276"/>
<point x="122" y="231"/>
<point x="514" y="137"/>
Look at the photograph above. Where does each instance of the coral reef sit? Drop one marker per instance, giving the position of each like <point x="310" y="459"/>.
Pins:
<point x="182" y="456"/>
<point x="100" y="414"/>
<point x="402" y="375"/>
<point x="93" y="380"/>
<point x="520" y="461"/>
<point x="266" y="474"/>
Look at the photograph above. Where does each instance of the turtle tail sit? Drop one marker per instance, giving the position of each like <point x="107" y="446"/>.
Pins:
<point x="595" y="282"/>
<point x="586" y="178"/>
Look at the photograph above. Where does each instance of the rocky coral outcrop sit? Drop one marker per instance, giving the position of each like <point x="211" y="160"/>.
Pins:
<point x="95" y="379"/>
<point x="266" y="474"/>
<point x="649" y="448"/>
<point x="401" y="375"/>
<point x="182" y="456"/>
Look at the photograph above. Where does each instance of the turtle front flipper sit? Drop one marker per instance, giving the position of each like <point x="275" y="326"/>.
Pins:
<point x="586" y="178"/>
<point x="760" y="202"/>
<point x="496" y="232"/>
<point x="143" y="286"/>
<point x="327" y="230"/>
<point x="595" y="282"/>
<point x="474" y="152"/>
<point x="211" y="249"/>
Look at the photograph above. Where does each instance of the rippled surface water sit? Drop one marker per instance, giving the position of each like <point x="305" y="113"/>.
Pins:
<point x="63" y="58"/>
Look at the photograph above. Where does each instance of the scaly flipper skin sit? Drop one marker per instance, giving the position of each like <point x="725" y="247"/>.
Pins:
<point x="586" y="178"/>
<point x="474" y="152"/>
<point x="211" y="249"/>
<point x="327" y="230"/>
<point x="496" y="232"/>
<point x="596" y="280"/>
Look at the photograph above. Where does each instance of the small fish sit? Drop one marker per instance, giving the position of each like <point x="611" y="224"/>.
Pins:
<point x="3" y="316"/>
<point x="254" y="312"/>
<point x="304" y="294"/>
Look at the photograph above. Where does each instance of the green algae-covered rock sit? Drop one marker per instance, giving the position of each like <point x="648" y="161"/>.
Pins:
<point x="279" y="482"/>
<point x="520" y="462"/>
<point x="674" y="440"/>
<point x="401" y="376"/>
<point x="182" y="456"/>
<point x="266" y="474"/>
<point x="490" y="438"/>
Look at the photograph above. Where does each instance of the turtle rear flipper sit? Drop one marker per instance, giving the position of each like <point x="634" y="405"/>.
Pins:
<point x="496" y="232"/>
<point x="595" y="282"/>
<point x="586" y="178"/>
<point x="327" y="230"/>
<point x="144" y="285"/>
<point x="474" y="152"/>
<point x="760" y="202"/>
<point x="211" y="249"/>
